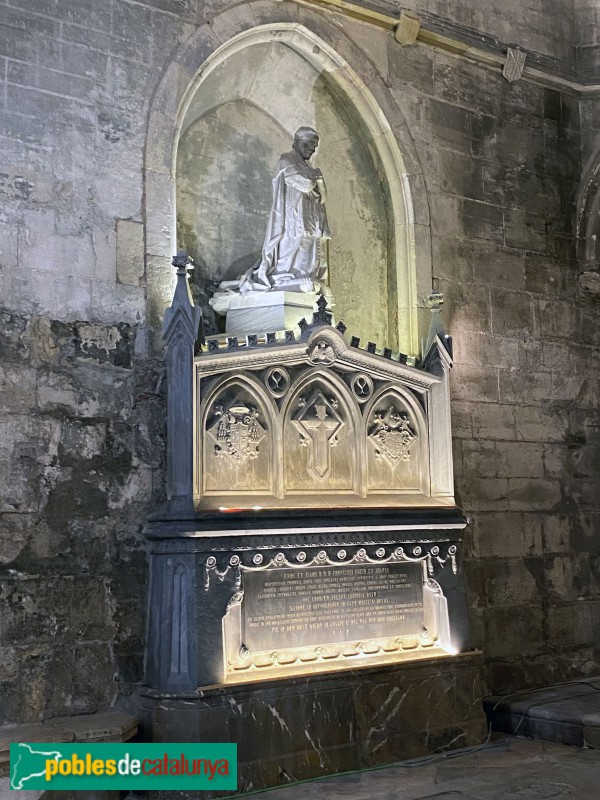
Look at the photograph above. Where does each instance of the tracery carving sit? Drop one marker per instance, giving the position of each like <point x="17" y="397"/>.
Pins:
<point x="277" y="380"/>
<point x="362" y="387"/>
<point x="321" y="352"/>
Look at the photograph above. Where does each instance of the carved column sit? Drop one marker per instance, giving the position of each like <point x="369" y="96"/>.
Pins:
<point x="180" y="330"/>
<point x="438" y="361"/>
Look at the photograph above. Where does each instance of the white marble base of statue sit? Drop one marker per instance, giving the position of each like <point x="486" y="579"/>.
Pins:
<point x="294" y="255"/>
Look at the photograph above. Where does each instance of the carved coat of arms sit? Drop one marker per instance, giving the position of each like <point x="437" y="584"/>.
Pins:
<point x="392" y="436"/>
<point x="236" y="433"/>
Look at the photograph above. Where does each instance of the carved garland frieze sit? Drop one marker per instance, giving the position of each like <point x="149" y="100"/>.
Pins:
<point x="309" y="540"/>
<point x="331" y="653"/>
<point x="429" y="553"/>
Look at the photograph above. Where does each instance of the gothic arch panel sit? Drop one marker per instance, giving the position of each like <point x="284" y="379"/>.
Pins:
<point x="320" y="438"/>
<point x="237" y="440"/>
<point x="397" y="445"/>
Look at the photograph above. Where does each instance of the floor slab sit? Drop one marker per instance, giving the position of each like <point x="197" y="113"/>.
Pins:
<point x="511" y="768"/>
<point x="567" y="713"/>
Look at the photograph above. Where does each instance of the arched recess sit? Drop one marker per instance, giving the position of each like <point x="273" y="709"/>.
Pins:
<point x="588" y="229"/>
<point x="348" y="71"/>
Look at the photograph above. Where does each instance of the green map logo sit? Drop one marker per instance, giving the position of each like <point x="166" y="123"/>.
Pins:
<point x="27" y="764"/>
<point x="110" y="766"/>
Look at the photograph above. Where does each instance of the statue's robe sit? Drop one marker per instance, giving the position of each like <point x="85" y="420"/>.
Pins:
<point x="294" y="246"/>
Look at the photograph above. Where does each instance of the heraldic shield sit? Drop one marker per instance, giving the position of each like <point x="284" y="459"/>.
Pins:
<point x="237" y="452"/>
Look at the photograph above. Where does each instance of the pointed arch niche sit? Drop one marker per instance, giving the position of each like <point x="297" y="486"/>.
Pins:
<point x="235" y="117"/>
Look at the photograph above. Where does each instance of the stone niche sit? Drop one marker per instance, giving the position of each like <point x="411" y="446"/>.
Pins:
<point x="239" y="120"/>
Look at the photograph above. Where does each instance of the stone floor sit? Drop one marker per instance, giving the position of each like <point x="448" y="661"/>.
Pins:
<point x="507" y="769"/>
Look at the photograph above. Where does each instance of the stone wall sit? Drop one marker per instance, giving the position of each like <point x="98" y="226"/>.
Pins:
<point x="544" y="26"/>
<point x="502" y="164"/>
<point x="587" y="19"/>
<point x="82" y="421"/>
<point x="82" y="428"/>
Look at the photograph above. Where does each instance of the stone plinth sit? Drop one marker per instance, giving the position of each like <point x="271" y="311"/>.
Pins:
<point x="299" y="728"/>
<point x="268" y="311"/>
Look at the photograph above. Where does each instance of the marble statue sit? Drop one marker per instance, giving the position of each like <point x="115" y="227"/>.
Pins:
<point x="294" y="254"/>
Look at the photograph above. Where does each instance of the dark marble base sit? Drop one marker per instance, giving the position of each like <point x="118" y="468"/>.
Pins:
<point x="296" y="728"/>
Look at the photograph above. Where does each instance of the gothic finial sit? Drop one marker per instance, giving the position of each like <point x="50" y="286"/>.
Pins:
<point x="180" y="331"/>
<point x="322" y="316"/>
<point x="434" y="302"/>
<point x="182" y="262"/>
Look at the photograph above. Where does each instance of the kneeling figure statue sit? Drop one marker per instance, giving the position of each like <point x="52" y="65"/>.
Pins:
<point x="294" y="254"/>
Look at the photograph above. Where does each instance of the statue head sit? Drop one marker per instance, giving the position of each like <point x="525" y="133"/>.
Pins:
<point x="306" y="141"/>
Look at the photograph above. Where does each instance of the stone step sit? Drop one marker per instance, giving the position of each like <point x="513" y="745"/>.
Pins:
<point x="567" y="713"/>
<point x="112" y="726"/>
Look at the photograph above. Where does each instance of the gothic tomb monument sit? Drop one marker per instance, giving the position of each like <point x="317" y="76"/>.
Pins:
<point x="311" y="531"/>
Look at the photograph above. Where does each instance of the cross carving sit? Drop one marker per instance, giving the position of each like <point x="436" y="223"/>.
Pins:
<point x="318" y="423"/>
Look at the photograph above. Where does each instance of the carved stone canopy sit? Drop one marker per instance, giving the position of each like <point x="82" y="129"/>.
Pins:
<point x="320" y="422"/>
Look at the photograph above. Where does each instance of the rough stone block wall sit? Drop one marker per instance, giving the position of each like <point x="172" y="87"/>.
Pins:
<point x="80" y="439"/>
<point x="502" y="167"/>
<point x="82" y="408"/>
<point x="587" y="17"/>
<point x="543" y="26"/>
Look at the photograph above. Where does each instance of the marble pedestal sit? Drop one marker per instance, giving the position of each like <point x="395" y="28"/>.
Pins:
<point x="260" y="312"/>
<point x="300" y="715"/>
<point x="300" y="728"/>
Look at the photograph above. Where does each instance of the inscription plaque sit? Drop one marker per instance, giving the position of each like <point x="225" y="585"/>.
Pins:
<point x="285" y="608"/>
